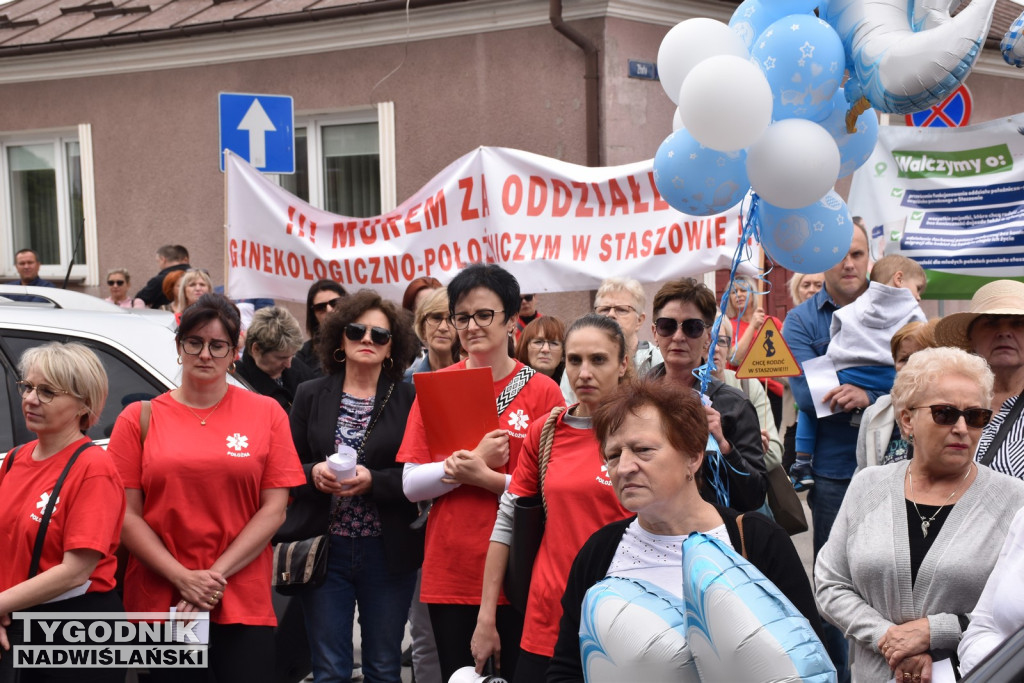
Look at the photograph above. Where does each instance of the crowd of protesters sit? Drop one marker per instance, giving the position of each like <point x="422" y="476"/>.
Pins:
<point x="913" y="471"/>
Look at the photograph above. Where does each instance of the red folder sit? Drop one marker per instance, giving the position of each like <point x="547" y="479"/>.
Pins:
<point x="458" y="408"/>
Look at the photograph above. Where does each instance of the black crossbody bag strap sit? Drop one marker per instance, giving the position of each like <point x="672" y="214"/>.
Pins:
<point x="1004" y="430"/>
<point x="37" y="551"/>
<point x="10" y="460"/>
<point x="512" y="389"/>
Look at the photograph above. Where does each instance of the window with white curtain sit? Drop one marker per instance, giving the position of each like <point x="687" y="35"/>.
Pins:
<point x="41" y="200"/>
<point x="339" y="163"/>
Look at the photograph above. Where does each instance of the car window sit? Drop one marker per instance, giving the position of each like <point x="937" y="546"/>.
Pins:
<point x="128" y="382"/>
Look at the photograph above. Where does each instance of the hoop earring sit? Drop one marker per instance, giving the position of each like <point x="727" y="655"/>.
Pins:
<point x="335" y="354"/>
<point x="390" y="363"/>
<point x="179" y="359"/>
<point x="234" y="366"/>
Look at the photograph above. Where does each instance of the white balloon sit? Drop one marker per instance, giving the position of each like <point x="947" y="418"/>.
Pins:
<point x="794" y="164"/>
<point x="677" y="120"/>
<point x="726" y="103"/>
<point x="690" y="42"/>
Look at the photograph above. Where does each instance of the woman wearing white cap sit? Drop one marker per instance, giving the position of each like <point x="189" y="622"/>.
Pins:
<point x="994" y="329"/>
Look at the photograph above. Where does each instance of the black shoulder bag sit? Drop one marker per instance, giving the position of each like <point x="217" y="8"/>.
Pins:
<point x="51" y="503"/>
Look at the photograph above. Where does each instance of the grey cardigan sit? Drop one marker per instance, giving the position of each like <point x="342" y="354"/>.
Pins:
<point x="862" y="574"/>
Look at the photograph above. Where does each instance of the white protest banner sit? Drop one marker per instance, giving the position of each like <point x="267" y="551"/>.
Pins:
<point x="950" y="198"/>
<point x="556" y="226"/>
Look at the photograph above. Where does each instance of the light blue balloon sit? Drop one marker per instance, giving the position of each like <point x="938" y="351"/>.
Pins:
<point x="739" y="624"/>
<point x="1012" y="44"/>
<point x="697" y="180"/>
<point x="807" y="240"/>
<point x="752" y="17"/>
<point x="803" y="59"/>
<point x="854" y="148"/>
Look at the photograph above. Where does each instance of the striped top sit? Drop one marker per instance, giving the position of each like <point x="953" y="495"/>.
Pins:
<point x="1010" y="457"/>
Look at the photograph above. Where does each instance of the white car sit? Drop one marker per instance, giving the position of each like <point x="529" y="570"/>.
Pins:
<point x="136" y="347"/>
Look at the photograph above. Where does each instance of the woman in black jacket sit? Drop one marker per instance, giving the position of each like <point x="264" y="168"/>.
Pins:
<point x="652" y="437"/>
<point x="363" y="404"/>
<point x="269" y="363"/>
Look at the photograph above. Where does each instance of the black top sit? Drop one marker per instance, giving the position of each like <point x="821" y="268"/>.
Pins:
<point x="309" y="357"/>
<point x="284" y="391"/>
<point x="314" y="418"/>
<point x="153" y="292"/>
<point x="769" y="548"/>
<point x="746" y="473"/>
<point x="919" y="543"/>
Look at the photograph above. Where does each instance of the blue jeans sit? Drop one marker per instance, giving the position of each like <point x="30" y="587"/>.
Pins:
<point x="357" y="572"/>
<point x="824" y="500"/>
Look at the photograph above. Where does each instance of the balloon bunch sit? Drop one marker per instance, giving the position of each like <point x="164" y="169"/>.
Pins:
<point x="760" y="107"/>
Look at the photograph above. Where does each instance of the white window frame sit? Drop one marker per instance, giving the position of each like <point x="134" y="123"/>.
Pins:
<point x="88" y="272"/>
<point x="383" y="115"/>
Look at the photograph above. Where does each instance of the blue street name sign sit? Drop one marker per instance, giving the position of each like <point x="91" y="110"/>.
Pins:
<point x="647" y="71"/>
<point x="260" y="129"/>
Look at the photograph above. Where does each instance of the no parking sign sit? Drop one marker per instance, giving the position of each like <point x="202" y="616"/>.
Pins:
<point x="952" y="112"/>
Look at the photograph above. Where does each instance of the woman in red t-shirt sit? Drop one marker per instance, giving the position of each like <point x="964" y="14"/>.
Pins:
<point x="484" y="303"/>
<point x="746" y="315"/>
<point x="207" y="487"/>
<point x="579" y="496"/>
<point x="63" y="390"/>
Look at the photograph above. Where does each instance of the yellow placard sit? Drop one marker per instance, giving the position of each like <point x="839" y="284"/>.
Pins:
<point x="768" y="355"/>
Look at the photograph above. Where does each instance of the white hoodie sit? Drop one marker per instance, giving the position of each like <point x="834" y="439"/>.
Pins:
<point x="862" y="331"/>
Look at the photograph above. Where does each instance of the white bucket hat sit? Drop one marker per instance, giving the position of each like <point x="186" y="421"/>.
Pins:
<point x="1002" y="297"/>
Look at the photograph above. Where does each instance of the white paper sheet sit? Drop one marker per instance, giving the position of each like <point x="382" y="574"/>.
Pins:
<point x="821" y="378"/>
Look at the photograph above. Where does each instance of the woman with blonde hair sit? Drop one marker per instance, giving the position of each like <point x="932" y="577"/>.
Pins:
<point x="434" y="332"/>
<point x="914" y="542"/>
<point x="268" y="363"/>
<point x="63" y="391"/>
<point x="192" y="285"/>
<point x="746" y="315"/>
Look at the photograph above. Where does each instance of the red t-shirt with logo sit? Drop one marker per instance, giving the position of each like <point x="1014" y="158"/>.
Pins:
<point x="580" y="500"/>
<point x="87" y="515"/>
<point x="460" y="522"/>
<point x="201" y="486"/>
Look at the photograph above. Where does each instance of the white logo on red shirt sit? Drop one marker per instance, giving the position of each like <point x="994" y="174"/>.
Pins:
<point x="44" y="500"/>
<point x="238" y="442"/>
<point x="603" y="477"/>
<point x="518" y="420"/>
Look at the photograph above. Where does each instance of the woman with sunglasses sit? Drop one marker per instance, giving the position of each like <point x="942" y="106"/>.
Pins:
<point x="62" y="395"/>
<point x="540" y="346"/>
<point x="484" y="302"/>
<point x="914" y="542"/>
<point x="683" y="312"/>
<point x="118" y="282"/>
<point x="207" y="468"/>
<point x="322" y="298"/>
<point x="373" y="555"/>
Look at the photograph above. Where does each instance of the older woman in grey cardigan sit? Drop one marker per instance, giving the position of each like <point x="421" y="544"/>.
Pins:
<point x="915" y="541"/>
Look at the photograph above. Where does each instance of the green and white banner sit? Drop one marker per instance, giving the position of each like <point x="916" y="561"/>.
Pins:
<point x="950" y="198"/>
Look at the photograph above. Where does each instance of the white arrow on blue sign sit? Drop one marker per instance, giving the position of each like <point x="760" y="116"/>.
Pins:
<point x="260" y="129"/>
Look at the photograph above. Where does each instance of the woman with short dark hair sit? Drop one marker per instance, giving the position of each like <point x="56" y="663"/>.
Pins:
<point x="484" y="303"/>
<point x="207" y="473"/>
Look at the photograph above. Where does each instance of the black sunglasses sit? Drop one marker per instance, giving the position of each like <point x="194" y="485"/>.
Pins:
<point x="527" y="297"/>
<point x="378" y="335"/>
<point x="111" y="283"/>
<point x="322" y="306"/>
<point x="947" y="416"/>
<point x="692" y="327"/>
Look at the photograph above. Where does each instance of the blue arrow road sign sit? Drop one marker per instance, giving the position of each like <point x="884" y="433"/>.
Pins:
<point x="260" y="129"/>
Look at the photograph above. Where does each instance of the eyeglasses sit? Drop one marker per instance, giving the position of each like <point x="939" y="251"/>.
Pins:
<point x="539" y="343"/>
<point x="692" y="327"/>
<point x="322" y="306"/>
<point x="378" y="335"/>
<point x="193" y="346"/>
<point x="435" y="319"/>
<point x="615" y="311"/>
<point x="947" y="416"/>
<point x="527" y="297"/>
<point x="111" y="283"/>
<point x="483" y="318"/>
<point x="44" y="393"/>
